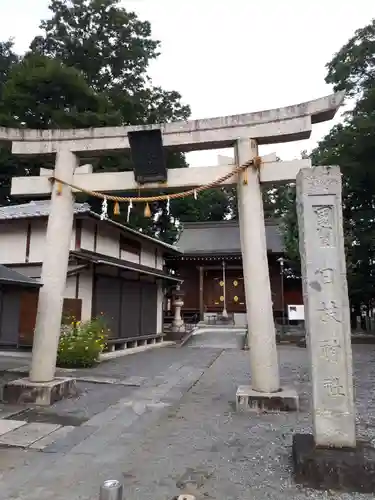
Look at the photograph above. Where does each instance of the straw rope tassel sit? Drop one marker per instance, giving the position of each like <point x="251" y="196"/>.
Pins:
<point x="147" y="212"/>
<point x="244" y="177"/>
<point x="58" y="188"/>
<point x="116" y="208"/>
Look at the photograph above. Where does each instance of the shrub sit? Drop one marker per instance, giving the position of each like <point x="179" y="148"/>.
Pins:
<point x="81" y="343"/>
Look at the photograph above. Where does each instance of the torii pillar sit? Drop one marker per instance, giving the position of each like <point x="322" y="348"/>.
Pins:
<point x="245" y="132"/>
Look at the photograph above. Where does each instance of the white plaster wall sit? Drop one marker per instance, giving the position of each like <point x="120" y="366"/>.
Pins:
<point x="88" y="235"/>
<point x="148" y="255"/>
<point x="108" y="241"/>
<point x="84" y="292"/>
<point x="159" y="311"/>
<point x="14" y="236"/>
<point x="160" y="260"/>
<point x="13" y="242"/>
<point x="70" y="287"/>
<point x="129" y="256"/>
<point x="37" y="240"/>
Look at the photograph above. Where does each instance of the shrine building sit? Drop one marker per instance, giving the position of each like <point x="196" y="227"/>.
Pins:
<point x="210" y="266"/>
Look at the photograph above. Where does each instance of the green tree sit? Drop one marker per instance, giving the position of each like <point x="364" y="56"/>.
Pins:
<point x="109" y="44"/>
<point x="44" y="93"/>
<point x="353" y="67"/>
<point x="112" y="47"/>
<point x="351" y="145"/>
<point x="39" y="92"/>
<point x="7" y="59"/>
<point x="210" y="205"/>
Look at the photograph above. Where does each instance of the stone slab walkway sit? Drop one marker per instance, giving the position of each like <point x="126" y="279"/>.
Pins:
<point x="178" y="433"/>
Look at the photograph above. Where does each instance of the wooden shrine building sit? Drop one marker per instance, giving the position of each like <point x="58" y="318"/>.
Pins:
<point x="211" y="269"/>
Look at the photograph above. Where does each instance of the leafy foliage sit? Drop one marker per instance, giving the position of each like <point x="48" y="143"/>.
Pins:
<point x="351" y="145"/>
<point x="112" y="49"/>
<point x="44" y="93"/>
<point x="7" y="60"/>
<point x="88" y="68"/>
<point x="353" y="67"/>
<point x="81" y="344"/>
<point x="109" y="44"/>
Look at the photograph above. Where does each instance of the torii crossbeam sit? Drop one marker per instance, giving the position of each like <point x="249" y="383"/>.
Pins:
<point x="244" y="132"/>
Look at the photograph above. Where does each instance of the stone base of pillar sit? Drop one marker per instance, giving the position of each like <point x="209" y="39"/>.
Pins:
<point x="178" y="328"/>
<point x="23" y="391"/>
<point x="343" y="469"/>
<point x="248" y="400"/>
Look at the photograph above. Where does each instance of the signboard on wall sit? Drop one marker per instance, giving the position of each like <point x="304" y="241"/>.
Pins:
<point x="296" y="313"/>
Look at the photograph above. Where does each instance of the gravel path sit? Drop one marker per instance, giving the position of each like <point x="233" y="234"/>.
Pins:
<point x="205" y="448"/>
<point x="190" y="439"/>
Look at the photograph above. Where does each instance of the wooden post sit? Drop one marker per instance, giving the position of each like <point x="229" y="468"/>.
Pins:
<point x="201" y="289"/>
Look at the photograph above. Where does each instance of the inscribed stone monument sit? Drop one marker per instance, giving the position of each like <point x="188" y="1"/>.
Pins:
<point x="332" y="458"/>
<point x="326" y="305"/>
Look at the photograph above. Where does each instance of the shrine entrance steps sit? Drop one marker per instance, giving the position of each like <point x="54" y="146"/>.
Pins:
<point x="215" y="336"/>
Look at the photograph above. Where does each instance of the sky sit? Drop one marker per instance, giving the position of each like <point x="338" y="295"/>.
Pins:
<point x="230" y="57"/>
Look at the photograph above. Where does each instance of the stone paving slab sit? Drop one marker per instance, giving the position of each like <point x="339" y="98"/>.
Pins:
<point x="58" y="434"/>
<point x="72" y="439"/>
<point x="27" y="434"/>
<point x="7" y="411"/>
<point x="130" y="381"/>
<point x="10" y="425"/>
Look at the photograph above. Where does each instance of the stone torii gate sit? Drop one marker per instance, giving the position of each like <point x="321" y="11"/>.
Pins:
<point x="245" y="132"/>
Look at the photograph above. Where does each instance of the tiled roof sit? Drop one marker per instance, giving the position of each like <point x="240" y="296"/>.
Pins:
<point x="10" y="277"/>
<point x="222" y="238"/>
<point x="35" y="209"/>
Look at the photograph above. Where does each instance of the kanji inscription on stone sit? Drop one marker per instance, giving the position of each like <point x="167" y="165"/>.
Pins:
<point x="326" y="275"/>
<point x="324" y="225"/>
<point x="334" y="387"/>
<point x="330" y="350"/>
<point x="329" y="311"/>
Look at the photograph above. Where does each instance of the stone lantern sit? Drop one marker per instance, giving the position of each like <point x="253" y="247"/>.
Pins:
<point x="178" y="322"/>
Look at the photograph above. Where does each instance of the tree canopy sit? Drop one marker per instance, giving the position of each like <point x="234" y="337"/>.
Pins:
<point x="351" y="145"/>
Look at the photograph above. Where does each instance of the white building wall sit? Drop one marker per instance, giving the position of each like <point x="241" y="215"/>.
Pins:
<point x="129" y="256"/>
<point x="84" y="292"/>
<point x="14" y="238"/>
<point x="13" y="242"/>
<point x="108" y="241"/>
<point x="88" y="235"/>
<point x="148" y="256"/>
<point x="38" y="240"/>
<point x="70" y="287"/>
<point x="159" y="260"/>
<point x="159" y="312"/>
